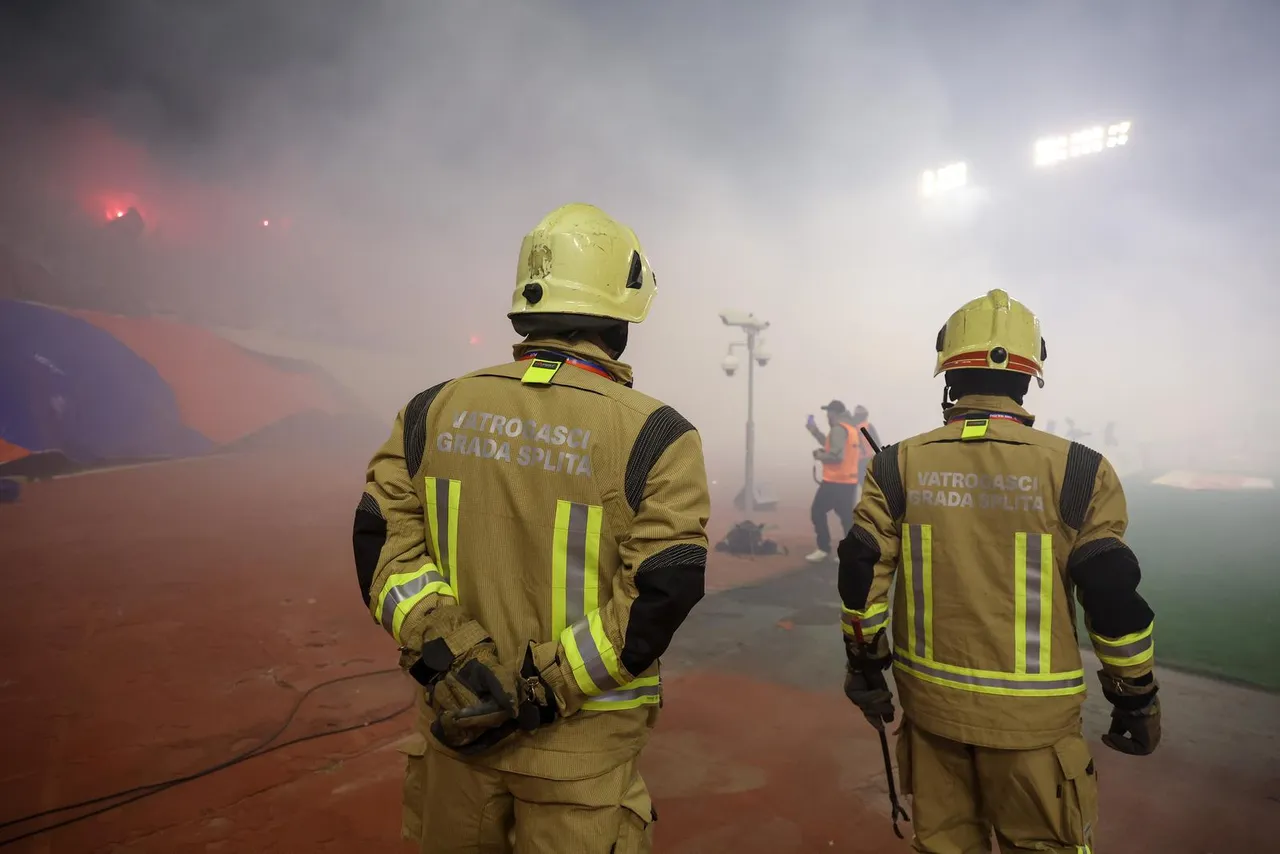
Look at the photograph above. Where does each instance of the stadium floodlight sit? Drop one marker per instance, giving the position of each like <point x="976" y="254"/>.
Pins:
<point x="934" y="182"/>
<point x="1118" y="134"/>
<point x="1051" y="150"/>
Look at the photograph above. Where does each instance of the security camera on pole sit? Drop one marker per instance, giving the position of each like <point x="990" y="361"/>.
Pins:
<point x="752" y="497"/>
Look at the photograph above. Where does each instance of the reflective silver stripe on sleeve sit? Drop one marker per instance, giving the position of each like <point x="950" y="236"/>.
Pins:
<point x="405" y="592"/>
<point x="591" y="657"/>
<point x="872" y="624"/>
<point x="1126" y="650"/>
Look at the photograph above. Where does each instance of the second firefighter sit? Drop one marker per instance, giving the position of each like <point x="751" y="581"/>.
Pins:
<point x="991" y="527"/>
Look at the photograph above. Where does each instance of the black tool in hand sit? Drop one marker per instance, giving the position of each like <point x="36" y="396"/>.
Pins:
<point x="896" y="809"/>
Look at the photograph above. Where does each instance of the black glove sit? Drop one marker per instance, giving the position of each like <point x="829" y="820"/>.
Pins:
<point x="474" y="680"/>
<point x="864" y="682"/>
<point x="869" y="691"/>
<point x="494" y="716"/>
<point x="1135" y="714"/>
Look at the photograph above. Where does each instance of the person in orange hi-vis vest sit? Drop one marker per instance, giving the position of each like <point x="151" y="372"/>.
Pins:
<point x="844" y="455"/>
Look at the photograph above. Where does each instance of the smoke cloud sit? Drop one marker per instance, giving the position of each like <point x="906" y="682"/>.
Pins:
<point x="361" y="174"/>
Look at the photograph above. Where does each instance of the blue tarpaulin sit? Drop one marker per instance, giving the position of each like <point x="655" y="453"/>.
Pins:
<point x="70" y="387"/>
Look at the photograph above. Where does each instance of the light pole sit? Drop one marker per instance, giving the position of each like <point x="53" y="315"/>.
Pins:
<point x="750" y="499"/>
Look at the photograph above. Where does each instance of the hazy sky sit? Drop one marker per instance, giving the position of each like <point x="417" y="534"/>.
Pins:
<point x="767" y="155"/>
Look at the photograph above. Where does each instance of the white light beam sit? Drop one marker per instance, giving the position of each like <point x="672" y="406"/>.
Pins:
<point x="934" y="182"/>
<point x="1051" y="150"/>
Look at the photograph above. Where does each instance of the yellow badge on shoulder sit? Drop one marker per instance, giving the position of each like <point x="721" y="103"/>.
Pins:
<point x="540" y="372"/>
<point x="974" y="429"/>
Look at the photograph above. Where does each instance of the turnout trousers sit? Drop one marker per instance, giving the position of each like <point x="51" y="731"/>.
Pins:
<point x="467" y="808"/>
<point x="1045" y="799"/>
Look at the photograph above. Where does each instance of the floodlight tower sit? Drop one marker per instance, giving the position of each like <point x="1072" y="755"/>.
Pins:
<point x="750" y="499"/>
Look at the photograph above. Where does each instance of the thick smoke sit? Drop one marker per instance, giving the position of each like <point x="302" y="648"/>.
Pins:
<point x="768" y="159"/>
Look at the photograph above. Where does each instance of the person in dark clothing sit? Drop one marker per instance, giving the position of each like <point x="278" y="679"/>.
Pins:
<point x="844" y="456"/>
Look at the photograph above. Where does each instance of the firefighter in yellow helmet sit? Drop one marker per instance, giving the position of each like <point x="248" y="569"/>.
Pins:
<point x="532" y="535"/>
<point x="991" y="526"/>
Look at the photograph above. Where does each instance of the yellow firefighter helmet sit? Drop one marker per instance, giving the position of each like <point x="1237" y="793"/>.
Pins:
<point x="579" y="260"/>
<point x="992" y="332"/>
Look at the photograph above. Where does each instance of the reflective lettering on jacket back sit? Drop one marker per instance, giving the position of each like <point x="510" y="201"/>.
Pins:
<point x="992" y="492"/>
<point x="555" y="448"/>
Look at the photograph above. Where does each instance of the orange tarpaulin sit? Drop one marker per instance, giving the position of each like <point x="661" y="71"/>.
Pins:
<point x="9" y="453"/>
<point x="223" y="391"/>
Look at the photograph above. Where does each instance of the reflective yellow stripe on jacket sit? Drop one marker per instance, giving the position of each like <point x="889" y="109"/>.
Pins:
<point x="1137" y="648"/>
<point x="443" y="496"/>
<point x="1032" y="631"/>
<point x="576" y="615"/>
<point x="917" y="560"/>
<point x="402" y="592"/>
<point x="867" y="622"/>
<point x="1033" y="602"/>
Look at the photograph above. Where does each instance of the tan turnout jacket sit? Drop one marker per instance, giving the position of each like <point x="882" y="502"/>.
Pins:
<point x="557" y="505"/>
<point x="979" y="521"/>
